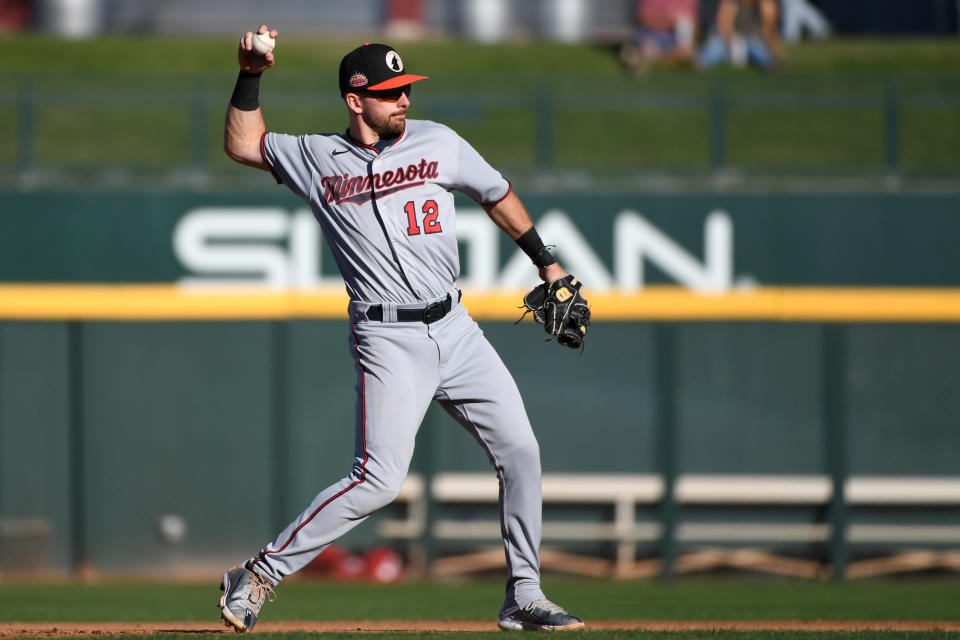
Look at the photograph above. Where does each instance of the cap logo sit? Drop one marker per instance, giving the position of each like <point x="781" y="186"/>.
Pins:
<point x="358" y="80"/>
<point x="394" y="61"/>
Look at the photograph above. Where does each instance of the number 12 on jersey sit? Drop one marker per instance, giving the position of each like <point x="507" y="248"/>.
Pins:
<point x="430" y="212"/>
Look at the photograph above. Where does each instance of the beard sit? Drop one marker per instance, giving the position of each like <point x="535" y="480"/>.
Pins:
<point x="384" y="125"/>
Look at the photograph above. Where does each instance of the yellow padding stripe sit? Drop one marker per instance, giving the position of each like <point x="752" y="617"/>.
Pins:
<point x="172" y="302"/>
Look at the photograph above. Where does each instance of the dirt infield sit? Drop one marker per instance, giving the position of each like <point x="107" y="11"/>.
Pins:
<point x="69" y="629"/>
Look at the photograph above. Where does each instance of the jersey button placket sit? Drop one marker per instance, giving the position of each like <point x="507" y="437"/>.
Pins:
<point x="392" y="241"/>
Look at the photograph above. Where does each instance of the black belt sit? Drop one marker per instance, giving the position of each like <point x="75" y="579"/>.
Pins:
<point x="428" y="314"/>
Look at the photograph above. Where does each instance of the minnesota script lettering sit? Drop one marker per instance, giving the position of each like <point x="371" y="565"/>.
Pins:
<point x="357" y="189"/>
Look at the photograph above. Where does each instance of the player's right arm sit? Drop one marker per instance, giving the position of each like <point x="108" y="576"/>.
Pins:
<point x="245" y="126"/>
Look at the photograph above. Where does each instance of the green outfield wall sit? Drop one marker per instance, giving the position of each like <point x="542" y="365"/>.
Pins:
<point x="837" y="239"/>
<point x="233" y="423"/>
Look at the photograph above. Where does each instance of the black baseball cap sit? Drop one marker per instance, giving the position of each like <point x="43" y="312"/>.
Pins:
<point x="373" y="67"/>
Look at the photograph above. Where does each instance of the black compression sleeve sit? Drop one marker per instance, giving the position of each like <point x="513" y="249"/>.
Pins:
<point x="246" y="93"/>
<point x="532" y="245"/>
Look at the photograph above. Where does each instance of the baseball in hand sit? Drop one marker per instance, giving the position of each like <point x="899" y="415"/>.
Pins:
<point x="263" y="43"/>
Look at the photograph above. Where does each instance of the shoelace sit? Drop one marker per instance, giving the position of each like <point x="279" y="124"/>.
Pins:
<point x="260" y="589"/>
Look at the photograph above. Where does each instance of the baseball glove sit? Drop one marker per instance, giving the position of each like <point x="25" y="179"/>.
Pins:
<point x="561" y="309"/>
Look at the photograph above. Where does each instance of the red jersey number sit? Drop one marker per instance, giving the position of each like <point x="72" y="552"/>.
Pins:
<point x="430" y="225"/>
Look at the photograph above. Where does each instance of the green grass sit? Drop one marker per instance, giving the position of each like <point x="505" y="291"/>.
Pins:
<point x="640" y="128"/>
<point x="700" y="599"/>
<point x="593" y="635"/>
<point x="166" y="53"/>
<point x="806" y="138"/>
<point x="142" y="101"/>
<point x="151" y="135"/>
<point x="8" y="135"/>
<point x="883" y="55"/>
<point x="26" y="52"/>
<point x="930" y="136"/>
<point x="647" y="137"/>
<point x="594" y="600"/>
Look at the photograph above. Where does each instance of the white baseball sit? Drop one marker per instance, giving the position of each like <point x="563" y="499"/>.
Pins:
<point x="263" y="43"/>
<point x="172" y="528"/>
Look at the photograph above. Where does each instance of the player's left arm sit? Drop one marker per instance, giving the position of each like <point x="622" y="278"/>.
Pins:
<point x="558" y="304"/>
<point x="513" y="219"/>
<point x="475" y="177"/>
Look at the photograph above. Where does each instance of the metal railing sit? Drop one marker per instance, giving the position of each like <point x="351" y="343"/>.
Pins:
<point x="707" y="124"/>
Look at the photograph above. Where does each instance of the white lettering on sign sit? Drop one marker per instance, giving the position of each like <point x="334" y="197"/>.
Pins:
<point x="271" y="247"/>
<point x="244" y="246"/>
<point x="571" y="249"/>
<point x="235" y="246"/>
<point x="636" y="240"/>
<point x="480" y="240"/>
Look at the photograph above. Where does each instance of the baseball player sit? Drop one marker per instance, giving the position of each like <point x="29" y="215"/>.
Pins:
<point x="381" y="192"/>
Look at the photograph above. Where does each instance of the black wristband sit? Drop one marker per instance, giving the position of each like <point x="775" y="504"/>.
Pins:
<point x="533" y="246"/>
<point x="246" y="93"/>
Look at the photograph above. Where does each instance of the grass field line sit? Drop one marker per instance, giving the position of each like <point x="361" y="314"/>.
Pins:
<point x="48" y="629"/>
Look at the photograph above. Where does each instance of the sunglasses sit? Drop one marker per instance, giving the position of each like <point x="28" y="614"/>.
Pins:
<point x="388" y="95"/>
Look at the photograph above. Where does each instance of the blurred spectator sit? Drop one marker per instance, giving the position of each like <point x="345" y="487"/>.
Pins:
<point x="745" y="32"/>
<point x="666" y="31"/>
<point x="404" y="20"/>
<point x="14" y="14"/>
<point x="799" y="17"/>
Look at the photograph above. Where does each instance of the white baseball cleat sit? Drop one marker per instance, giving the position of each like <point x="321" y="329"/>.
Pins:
<point x="244" y="592"/>
<point x="540" y="615"/>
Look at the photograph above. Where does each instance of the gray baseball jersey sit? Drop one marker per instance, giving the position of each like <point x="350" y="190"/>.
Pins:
<point x="389" y="219"/>
<point x="400" y="246"/>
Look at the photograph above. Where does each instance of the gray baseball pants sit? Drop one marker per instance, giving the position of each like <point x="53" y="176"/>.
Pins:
<point x="401" y="367"/>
